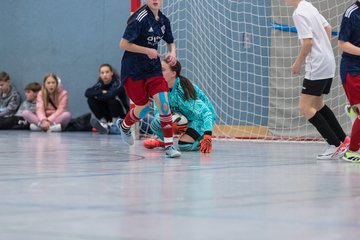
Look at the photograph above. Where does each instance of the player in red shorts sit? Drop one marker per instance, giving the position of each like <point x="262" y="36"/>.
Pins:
<point x="141" y="71"/>
<point x="349" y="42"/>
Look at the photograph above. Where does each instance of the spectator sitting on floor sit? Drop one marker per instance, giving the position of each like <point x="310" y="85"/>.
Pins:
<point x="107" y="100"/>
<point x="18" y="122"/>
<point x="51" y="107"/>
<point x="9" y="97"/>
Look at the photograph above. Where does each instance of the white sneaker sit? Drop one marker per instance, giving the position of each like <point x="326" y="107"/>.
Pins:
<point x="55" y="128"/>
<point x="171" y="152"/>
<point x="332" y="152"/>
<point x="126" y="135"/>
<point x="34" y="127"/>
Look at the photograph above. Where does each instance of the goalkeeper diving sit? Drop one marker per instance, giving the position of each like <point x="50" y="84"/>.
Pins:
<point x="187" y="99"/>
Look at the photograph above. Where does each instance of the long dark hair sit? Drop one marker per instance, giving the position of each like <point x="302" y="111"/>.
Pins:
<point x="132" y="16"/>
<point x="115" y="73"/>
<point x="187" y="86"/>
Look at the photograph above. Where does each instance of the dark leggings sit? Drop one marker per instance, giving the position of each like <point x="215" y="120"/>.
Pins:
<point x="113" y="108"/>
<point x="14" y="122"/>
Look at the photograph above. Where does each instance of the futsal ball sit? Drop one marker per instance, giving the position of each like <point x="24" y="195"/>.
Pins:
<point x="179" y="119"/>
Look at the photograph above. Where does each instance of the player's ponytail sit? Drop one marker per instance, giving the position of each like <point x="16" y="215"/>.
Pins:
<point x="134" y="14"/>
<point x="189" y="90"/>
<point x="187" y="86"/>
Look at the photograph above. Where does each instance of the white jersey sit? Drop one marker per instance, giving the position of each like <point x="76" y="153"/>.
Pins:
<point x="320" y="62"/>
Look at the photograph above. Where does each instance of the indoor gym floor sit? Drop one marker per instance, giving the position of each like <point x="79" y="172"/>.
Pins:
<point x="64" y="186"/>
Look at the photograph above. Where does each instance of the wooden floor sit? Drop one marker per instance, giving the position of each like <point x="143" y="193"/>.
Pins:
<point x="84" y="186"/>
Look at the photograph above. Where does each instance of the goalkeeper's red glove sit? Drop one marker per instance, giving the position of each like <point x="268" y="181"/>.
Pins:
<point x="179" y="129"/>
<point x="206" y="144"/>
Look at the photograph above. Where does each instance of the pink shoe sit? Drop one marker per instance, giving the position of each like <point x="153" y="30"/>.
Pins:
<point x="341" y="150"/>
<point x="347" y="142"/>
<point x="153" y="143"/>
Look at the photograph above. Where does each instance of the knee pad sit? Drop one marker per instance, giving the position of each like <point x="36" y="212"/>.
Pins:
<point x="164" y="105"/>
<point x="185" y="147"/>
<point x="144" y="112"/>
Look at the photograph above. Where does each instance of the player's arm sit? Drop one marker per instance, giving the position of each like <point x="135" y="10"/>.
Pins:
<point x="171" y="55"/>
<point x="132" y="47"/>
<point x="328" y="30"/>
<point x="327" y="26"/>
<point x="199" y="111"/>
<point x="304" y="51"/>
<point x="349" y="47"/>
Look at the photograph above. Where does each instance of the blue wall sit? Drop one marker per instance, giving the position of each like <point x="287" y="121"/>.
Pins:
<point x="68" y="37"/>
<point x="73" y="37"/>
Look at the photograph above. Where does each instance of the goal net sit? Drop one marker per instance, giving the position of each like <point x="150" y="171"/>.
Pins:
<point x="240" y="53"/>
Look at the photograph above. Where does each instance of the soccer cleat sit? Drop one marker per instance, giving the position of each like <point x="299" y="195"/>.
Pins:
<point x="351" y="112"/>
<point x="341" y="150"/>
<point x="153" y="143"/>
<point x="171" y="152"/>
<point x="347" y="142"/>
<point x="333" y="152"/>
<point x="101" y="127"/>
<point x="125" y="133"/>
<point x="352" y="157"/>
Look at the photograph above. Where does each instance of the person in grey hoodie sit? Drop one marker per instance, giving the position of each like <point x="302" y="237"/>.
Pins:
<point x="9" y="97"/>
<point x="17" y="122"/>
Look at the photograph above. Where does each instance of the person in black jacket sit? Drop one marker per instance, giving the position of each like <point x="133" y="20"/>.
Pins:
<point x="107" y="100"/>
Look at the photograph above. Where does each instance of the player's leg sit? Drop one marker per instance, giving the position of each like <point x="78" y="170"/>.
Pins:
<point x="307" y="108"/>
<point x="155" y="126"/>
<point x="328" y="114"/>
<point x="189" y="141"/>
<point x="125" y="124"/>
<point x="351" y="113"/>
<point x="353" y="154"/>
<point x="162" y="103"/>
<point x="158" y="89"/>
<point x="311" y="101"/>
<point x="352" y="90"/>
<point x="136" y="91"/>
<point x="116" y="111"/>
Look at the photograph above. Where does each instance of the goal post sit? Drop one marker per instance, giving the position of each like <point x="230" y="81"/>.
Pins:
<point x="240" y="54"/>
<point x="134" y="4"/>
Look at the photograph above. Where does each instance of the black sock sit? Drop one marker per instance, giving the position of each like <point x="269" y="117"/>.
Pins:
<point x="324" y="129"/>
<point x="333" y="122"/>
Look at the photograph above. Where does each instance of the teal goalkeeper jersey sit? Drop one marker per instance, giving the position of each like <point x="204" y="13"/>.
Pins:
<point x="200" y="110"/>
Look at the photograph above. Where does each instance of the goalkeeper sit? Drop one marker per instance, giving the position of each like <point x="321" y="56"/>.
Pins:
<point x="186" y="98"/>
